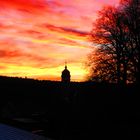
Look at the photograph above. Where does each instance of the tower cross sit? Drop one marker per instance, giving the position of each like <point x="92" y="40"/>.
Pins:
<point x="65" y="65"/>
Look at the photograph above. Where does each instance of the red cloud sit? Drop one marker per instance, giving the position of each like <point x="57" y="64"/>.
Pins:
<point x="6" y="53"/>
<point x="33" y="33"/>
<point x="66" y="30"/>
<point x="26" y="6"/>
<point x="23" y="3"/>
<point x="20" y="58"/>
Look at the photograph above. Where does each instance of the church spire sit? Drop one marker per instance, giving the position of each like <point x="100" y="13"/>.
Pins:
<point x="65" y="77"/>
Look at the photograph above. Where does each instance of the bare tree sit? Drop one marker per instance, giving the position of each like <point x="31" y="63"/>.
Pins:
<point x="131" y="10"/>
<point x="116" y="57"/>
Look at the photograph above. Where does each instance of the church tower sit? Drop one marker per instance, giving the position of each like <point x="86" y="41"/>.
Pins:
<point x="65" y="77"/>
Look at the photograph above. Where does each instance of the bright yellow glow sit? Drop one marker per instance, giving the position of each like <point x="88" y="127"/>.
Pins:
<point x="77" y="72"/>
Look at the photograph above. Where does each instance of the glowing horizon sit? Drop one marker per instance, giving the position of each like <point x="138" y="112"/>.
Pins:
<point x="38" y="36"/>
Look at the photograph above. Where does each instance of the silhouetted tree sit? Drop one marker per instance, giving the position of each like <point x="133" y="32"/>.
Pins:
<point x="132" y="21"/>
<point x="115" y="57"/>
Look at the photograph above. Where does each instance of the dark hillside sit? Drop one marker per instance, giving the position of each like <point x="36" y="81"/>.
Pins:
<point x="71" y="111"/>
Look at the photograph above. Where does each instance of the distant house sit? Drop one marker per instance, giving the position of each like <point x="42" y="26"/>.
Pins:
<point x="65" y="77"/>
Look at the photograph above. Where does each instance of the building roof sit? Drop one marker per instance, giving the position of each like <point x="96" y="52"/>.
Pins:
<point x="12" y="133"/>
<point x="65" y="71"/>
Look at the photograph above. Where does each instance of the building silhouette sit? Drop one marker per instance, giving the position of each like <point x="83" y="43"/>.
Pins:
<point x="65" y="77"/>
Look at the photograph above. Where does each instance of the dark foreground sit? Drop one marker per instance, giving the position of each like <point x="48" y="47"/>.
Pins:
<point x="71" y="111"/>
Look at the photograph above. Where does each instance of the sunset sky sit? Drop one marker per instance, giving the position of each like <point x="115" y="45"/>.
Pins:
<point x="38" y="36"/>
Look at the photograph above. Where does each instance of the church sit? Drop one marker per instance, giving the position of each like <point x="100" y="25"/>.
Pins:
<point x="65" y="77"/>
